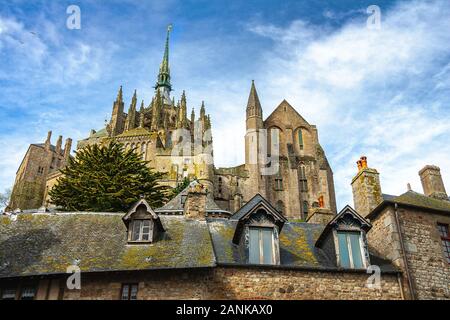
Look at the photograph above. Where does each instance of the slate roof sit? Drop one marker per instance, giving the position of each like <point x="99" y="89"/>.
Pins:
<point x="297" y="247"/>
<point x="413" y="199"/>
<point x="48" y="243"/>
<point x="175" y="205"/>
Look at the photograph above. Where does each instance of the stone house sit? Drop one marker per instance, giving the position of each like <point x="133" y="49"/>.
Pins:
<point x="200" y="253"/>
<point x="411" y="230"/>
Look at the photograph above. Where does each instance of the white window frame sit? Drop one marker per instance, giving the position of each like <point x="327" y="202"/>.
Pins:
<point x="141" y="233"/>
<point x="350" y="253"/>
<point x="261" y="245"/>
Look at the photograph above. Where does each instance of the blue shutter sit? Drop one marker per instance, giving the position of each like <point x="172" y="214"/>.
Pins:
<point x="356" y="250"/>
<point x="253" y="246"/>
<point x="267" y="242"/>
<point x="343" y="250"/>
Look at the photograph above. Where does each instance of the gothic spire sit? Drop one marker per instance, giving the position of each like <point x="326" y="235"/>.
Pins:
<point x="141" y="118"/>
<point x="253" y="104"/>
<point x="163" y="82"/>
<point x="120" y="95"/>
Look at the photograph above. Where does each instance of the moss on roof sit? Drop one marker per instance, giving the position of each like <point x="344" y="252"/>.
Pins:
<point x="49" y="243"/>
<point x="419" y="200"/>
<point x="296" y="244"/>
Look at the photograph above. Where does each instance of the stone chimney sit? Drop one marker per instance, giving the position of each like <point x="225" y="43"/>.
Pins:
<point x="67" y="148"/>
<point x="195" y="206"/>
<point x="366" y="188"/>
<point x="47" y="141"/>
<point x="318" y="213"/>
<point x="432" y="183"/>
<point x="58" y="145"/>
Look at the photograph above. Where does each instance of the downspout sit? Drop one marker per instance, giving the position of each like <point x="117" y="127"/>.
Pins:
<point x="402" y="246"/>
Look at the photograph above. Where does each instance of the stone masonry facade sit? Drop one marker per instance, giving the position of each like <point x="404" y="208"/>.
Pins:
<point x="229" y="283"/>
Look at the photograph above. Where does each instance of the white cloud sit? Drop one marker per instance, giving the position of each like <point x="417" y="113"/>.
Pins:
<point x="370" y="92"/>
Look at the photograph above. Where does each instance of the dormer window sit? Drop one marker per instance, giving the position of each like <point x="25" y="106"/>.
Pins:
<point x="143" y="224"/>
<point x="141" y="230"/>
<point x="350" y="249"/>
<point x="345" y="234"/>
<point x="261" y="246"/>
<point x="257" y="230"/>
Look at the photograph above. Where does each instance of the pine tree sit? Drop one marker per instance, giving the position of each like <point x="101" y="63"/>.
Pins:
<point x="106" y="178"/>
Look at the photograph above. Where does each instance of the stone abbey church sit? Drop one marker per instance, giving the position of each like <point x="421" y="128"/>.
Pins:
<point x="266" y="229"/>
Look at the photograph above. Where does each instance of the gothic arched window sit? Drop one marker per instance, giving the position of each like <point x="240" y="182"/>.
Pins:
<point x="300" y="139"/>
<point x="303" y="180"/>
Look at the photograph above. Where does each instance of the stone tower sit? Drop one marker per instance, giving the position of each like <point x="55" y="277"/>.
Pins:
<point x="160" y="131"/>
<point x="366" y="188"/>
<point x="40" y="161"/>
<point x="284" y="162"/>
<point x="254" y="137"/>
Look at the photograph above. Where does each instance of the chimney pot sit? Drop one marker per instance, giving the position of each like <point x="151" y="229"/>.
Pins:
<point x="364" y="162"/>
<point x="359" y="165"/>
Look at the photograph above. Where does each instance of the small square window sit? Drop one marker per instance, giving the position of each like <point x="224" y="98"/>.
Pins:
<point x="141" y="230"/>
<point x="8" y="294"/>
<point x="27" y="293"/>
<point x="129" y="291"/>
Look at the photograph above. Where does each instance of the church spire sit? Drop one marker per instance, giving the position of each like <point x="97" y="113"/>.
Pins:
<point x="254" y="110"/>
<point x="253" y="102"/>
<point x="120" y="95"/>
<point x="163" y="83"/>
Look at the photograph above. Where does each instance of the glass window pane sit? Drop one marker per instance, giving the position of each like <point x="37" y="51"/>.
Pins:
<point x="27" y="293"/>
<point x="125" y="290"/>
<point x="8" y="294"/>
<point x="134" y="290"/>
<point x="253" y="246"/>
<point x="267" y="242"/>
<point x="136" y="230"/>
<point x="356" y="250"/>
<point x="343" y="250"/>
<point x="300" y="139"/>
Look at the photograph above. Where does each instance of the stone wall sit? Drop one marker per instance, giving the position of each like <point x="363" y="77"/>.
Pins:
<point x="238" y="283"/>
<point x="430" y="273"/>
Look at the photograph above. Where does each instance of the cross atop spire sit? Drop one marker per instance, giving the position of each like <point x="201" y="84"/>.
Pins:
<point x="163" y="81"/>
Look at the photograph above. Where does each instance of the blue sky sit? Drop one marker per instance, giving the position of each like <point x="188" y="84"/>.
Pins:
<point x="382" y="93"/>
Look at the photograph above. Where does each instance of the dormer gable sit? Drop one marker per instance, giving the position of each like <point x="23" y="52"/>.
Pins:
<point x="257" y="229"/>
<point x="346" y="236"/>
<point x="143" y="224"/>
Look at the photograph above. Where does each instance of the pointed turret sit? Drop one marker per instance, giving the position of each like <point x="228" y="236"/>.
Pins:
<point x="192" y="119"/>
<point x="119" y="95"/>
<point x="202" y="110"/>
<point x="141" y="115"/>
<point x="117" y="117"/>
<point x="163" y="83"/>
<point x="254" y="110"/>
<point x="131" y="118"/>
<point x="156" y="112"/>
